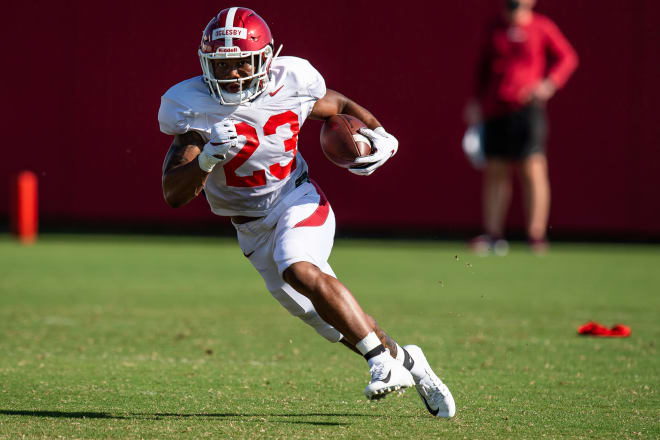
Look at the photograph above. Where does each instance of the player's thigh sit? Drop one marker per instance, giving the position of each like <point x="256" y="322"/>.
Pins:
<point x="257" y="245"/>
<point x="305" y="232"/>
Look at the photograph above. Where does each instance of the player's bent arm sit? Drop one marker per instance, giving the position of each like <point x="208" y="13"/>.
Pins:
<point x="183" y="179"/>
<point x="334" y="102"/>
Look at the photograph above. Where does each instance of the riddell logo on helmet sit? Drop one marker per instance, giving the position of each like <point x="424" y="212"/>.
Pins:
<point x="232" y="49"/>
<point x="230" y="32"/>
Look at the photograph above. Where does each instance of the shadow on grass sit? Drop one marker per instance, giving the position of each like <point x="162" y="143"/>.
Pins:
<point x="221" y="415"/>
<point x="314" y="423"/>
<point x="158" y="416"/>
<point x="289" y="418"/>
<point x="62" y="414"/>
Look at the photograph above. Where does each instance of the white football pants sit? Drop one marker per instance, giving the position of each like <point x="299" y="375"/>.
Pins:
<point x="300" y="228"/>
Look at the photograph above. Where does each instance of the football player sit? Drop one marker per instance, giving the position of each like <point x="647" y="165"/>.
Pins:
<point x="235" y="131"/>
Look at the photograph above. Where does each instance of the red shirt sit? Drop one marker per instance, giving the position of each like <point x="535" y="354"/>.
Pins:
<point x="516" y="58"/>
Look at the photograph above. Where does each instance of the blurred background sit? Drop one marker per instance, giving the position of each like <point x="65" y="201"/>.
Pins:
<point x="82" y="85"/>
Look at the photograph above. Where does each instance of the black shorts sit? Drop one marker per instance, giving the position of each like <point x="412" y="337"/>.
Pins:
<point x="516" y="135"/>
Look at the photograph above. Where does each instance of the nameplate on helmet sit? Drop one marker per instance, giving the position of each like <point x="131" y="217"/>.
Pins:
<point x="230" y="32"/>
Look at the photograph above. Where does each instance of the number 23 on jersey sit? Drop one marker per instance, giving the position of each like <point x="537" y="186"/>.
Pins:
<point x="258" y="177"/>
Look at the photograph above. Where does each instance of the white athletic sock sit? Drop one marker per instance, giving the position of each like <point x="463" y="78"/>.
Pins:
<point x="367" y="344"/>
<point x="371" y="348"/>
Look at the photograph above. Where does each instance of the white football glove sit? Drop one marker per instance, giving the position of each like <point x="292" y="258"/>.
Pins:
<point x="386" y="146"/>
<point x="223" y="137"/>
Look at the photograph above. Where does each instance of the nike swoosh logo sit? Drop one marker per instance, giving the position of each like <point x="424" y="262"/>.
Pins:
<point x="275" y="92"/>
<point x="248" y="255"/>
<point x="387" y="379"/>
<point x="432" y="411"/>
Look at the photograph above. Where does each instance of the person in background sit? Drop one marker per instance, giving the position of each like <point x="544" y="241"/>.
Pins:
<point x="525" y="60"/>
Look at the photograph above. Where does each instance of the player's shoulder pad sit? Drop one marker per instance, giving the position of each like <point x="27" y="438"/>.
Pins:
<point x="180" y="105"/>
<point x="300" y="72"/>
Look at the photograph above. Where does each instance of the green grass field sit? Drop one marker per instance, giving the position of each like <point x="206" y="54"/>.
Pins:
<point x="132" y="337"/>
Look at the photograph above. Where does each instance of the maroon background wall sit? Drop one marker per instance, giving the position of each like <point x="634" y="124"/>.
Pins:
<point x="82" y="83"/>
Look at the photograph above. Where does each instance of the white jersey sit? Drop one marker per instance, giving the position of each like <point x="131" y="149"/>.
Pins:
<point x="264" y="167"/>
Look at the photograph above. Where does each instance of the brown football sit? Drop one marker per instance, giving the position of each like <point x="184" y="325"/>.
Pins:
<point x="341" y="142"/>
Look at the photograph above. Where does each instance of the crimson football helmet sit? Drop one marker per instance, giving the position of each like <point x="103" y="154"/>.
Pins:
<point x="237" y="33"/>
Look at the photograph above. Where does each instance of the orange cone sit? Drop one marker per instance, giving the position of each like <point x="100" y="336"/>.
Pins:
<point x="24" y="207"/>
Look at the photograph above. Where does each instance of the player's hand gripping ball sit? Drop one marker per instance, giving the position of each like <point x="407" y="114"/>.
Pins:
<point x="385" y="146"/>
<point x="342" y="142"/>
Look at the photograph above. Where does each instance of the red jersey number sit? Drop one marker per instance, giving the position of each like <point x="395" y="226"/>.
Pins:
<point x="258" y="177"/>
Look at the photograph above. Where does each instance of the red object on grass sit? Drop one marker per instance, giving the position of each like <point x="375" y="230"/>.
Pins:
<point x="24" y="206"/>
<point x="593" y="328"/>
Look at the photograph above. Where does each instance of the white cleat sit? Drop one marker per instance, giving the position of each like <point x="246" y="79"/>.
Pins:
<point x="386" y="377"/>
<point x="435" y="394"/>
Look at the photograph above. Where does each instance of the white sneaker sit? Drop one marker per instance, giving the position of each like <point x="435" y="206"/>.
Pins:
<point x="501" y="247"/>
<point x="387" y="376"/>
<point x="435" y="394"/>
